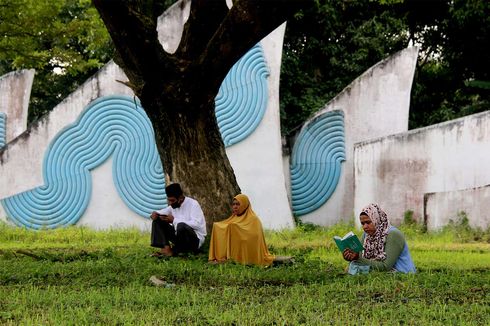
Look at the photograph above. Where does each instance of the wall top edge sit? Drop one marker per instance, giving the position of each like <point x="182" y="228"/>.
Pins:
<point x="34" y="125"/>
<point x="17" y="72"/>
<point x="430" y="194"/>
<point x="442" y="125"/>
<point x="412" y="51"/>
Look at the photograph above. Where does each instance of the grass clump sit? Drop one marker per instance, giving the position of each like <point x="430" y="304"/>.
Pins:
<point x="77" y="276"/>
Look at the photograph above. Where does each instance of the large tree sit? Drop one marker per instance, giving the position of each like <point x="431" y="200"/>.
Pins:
<point x="177" y="90"/>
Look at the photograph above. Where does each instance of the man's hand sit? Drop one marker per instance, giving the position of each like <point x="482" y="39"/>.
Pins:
<point x="350" y="255"/>
<point x="167" y="218"/>
<point x="154" y="215"/>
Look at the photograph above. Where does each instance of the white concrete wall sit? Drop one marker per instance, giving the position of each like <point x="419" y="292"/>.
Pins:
<point x="257" y="161"/>
<point x="106" y="209"/>
<point x="396" y="171"/>
<point x="21" y="161"/>
<point x="375" y="104"/>
<point x="15" y="91"/>
<point x="171" y="25"/>
<point x="443" y="207"/>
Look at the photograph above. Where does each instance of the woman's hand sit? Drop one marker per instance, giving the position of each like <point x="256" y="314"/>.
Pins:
<point x="350" y="255"/>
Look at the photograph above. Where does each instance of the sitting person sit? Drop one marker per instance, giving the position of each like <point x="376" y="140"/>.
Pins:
<point x="240" y="237"/>
<point x="182" y="223"/>
<point x="385" y="248"/>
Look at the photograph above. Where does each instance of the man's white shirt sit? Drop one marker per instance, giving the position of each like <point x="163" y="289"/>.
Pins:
<point x="190" y="213"/>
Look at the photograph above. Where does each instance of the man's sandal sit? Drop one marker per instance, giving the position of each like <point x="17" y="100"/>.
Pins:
<point x="157" y="254"/>
<point x="160" y="255"/>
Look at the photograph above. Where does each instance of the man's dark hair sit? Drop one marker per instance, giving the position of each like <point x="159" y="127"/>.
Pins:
<point x="174" y="190"/>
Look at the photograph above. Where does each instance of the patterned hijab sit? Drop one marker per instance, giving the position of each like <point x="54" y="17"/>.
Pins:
<point x="375" y="244"/>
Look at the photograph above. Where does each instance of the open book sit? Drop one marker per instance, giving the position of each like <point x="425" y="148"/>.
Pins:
<point x="350" y="240"/>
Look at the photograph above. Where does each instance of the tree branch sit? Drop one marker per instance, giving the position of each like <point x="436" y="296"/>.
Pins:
<point x="133" y="29"/>
<point x="214" y="38"/>
<point x="247" y="22"/>
<point x="204" y="19"/>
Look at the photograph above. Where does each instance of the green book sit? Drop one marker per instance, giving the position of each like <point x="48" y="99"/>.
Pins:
<point x="350" y="240"/>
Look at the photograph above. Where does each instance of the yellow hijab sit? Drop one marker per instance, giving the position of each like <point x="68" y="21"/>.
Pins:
<point x="240" y="237"/>
<point x="244" y="210"/>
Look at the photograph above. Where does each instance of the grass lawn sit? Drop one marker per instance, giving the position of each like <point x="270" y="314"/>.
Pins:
<point x="77" y="276"/>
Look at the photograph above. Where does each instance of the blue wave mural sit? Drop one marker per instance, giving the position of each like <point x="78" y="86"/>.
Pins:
<point x="117" y="126"/>
<point x="3" y="129"/>
<point x="242" y="98"/>
<point x="111" y="126"/>
<point x="316" y="162"/>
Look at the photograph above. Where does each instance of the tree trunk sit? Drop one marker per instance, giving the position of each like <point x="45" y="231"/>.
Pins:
<point x="178" y="90"/>
<point x="193" y="153"/>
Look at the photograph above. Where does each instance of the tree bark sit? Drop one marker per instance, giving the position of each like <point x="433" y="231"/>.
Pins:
<point x="178" y="90"/>
<point x="193" y="154"/>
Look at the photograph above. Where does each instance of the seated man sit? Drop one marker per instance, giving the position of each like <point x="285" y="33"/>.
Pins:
<point x="182" y="223"/>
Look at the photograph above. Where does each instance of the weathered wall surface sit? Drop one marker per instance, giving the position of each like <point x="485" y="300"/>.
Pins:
<point x="376" y="104"/>
<point x="396" y="171"/>
<point x="21" y="161"/>
<point x="443" y="207"/>
<point x="257" y="159"/>
<point x="21" y="165"/>
<point x="15" y="91"/>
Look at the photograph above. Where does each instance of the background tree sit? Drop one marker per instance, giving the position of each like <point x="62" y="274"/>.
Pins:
<point x="453" y="72"/>
<point x="64" y="40"/>
<point x="178" y="90"/>
<point x="328" y="45"/>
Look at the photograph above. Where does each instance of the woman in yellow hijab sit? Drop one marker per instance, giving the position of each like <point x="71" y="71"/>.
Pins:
<point x="240" y="237"/>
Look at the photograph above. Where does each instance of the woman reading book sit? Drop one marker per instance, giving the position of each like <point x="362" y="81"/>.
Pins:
<point x="239" y="238"/>
<point x="385" y="248"/>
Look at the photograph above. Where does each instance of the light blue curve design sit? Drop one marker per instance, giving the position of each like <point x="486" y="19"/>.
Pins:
<point x="118" y="126"/>
<point x="3" y="129"/>
<point x="110" y="126"/>
<point x="316" y="162"/>
<point x="242" y="98"/>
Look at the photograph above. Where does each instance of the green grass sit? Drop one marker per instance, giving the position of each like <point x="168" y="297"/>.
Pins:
<point x="77" y="276"/>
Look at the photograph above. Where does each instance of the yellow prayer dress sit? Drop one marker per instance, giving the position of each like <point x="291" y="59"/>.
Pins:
<point x="240" y="238"/>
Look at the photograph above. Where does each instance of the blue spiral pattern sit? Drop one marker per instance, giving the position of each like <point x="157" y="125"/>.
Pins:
<point x="115" y="125"/>
<point x="3" y="129"/>
<point x="316" y="162"/>
<point x="242" y="98"/>
<point x="118" y="126"/>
